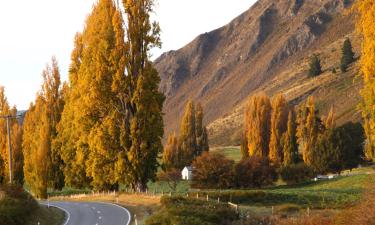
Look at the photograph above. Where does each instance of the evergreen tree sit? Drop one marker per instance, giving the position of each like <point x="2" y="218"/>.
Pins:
<point x="347" y="55"/>
<point x="289" y="141"/>
<point x="350" y="138"/>
<point x="366" y="9"/>
<point x="315" y="66"/>
<point x="326" y="155"/>
<point x="279" y="125"/>
<point x="257" y="125"/>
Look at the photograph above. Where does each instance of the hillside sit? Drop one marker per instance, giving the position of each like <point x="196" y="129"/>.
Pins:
<point x="267" y="48"/>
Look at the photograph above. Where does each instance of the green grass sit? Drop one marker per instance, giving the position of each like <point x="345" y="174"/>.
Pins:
<point x="333" y="194"/>
<point x="19" y="207"/>
<point x="233" y="153"/>
<point x="67" y="191"/>
<point x="45" y="216"/>
<point x="159" y="187"/>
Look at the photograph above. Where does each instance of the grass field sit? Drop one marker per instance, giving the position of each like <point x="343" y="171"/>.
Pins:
<point x="47" y="216"/>
<point x="232" y="152"/>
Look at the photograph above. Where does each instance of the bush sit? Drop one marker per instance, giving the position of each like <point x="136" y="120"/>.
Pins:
<point x="172" y="177"/>
<point x="296" y="173"/>
<point x="16" y="205"/>
<point x="212" y="170"/>
<point x="254" y="172"/>
<point x="184" y="211"/>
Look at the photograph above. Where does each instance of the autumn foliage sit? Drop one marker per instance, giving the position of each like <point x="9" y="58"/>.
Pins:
<point x="366" y="10"/>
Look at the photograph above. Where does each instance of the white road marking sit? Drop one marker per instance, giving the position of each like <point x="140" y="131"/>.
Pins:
<point x="66" y="212"/>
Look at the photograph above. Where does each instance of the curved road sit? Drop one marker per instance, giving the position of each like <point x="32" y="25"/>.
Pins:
<point x="93" y="213"/>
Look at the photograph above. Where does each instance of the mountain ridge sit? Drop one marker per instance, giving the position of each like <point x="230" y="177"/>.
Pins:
<point x="253" y="53"/>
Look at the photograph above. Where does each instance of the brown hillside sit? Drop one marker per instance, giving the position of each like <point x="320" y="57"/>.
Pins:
<point x="265" y="49"/>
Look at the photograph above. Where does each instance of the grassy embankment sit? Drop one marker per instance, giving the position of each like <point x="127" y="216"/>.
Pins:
<point x="18" y="207"/>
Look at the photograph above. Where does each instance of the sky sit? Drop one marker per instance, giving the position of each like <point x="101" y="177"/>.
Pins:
<point x="31" y="32"/>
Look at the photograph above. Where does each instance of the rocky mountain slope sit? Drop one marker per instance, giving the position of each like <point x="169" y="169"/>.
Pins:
<point x="267" y="49"/>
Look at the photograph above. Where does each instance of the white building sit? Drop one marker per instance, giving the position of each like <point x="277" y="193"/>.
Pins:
<point x="187" y="173"/>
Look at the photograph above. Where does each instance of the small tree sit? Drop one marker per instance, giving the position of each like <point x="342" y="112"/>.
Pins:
<point x="212" y="170"/>
<point x="254" y="172"/>
<point x="315" y="66"/>
<point x="172" y="177"/>
<point x="289" y="141"/>
<point x="172" y="156"/>
<point x="350" y="138"/>
<point x="296" y="173"/>
<point x="347" y="55"/>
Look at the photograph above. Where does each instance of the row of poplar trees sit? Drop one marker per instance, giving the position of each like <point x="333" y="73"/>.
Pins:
<point x="366" y="10"/>
<point x="180" y="151"/>
<point x="104" y="127"/>
<point x="16" y="140"/>
<point x="273" y="129"/>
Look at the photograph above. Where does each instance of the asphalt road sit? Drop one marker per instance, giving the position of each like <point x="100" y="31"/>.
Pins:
<point x="92" y="213"/>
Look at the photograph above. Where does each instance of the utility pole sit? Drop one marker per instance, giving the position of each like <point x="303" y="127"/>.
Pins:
<point x="10" y="152"/>
<point x="8" y="118"/>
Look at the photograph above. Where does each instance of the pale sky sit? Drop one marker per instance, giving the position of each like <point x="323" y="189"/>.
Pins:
<point x="31" y="32"/>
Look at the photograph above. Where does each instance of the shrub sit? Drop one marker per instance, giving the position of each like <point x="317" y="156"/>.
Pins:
<point x="296" y="173"/>
<point x="254" y="172"/>
<point x="212" y="170"/>
<point x="184" y="211"/>
<point x="15" y="205"/>
<point x="172" y="177"/>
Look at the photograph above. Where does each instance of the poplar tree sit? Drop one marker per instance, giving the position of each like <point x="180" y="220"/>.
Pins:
<point x="35" y="147"/>
<point x="17" y="154"/>
<point x="172" y="158"/>
<point x="308" y="129"/>
<point x="40" y="131"/>
<point x="88" y="134"/>
<point x="347" y="55"/>
<point x="279" y="125"/>
<point x="187" y="139"/>
<point x="257" y="125"/>
<point x="51" y="91"/>
<point x="71" y="138"/>
<point x="200" y="131"/>
<point x="244" y="146"/>
<point x="138" y="102"/>
<point x="4" y="111"/>
<point x="289" y="141"/>
<point x="365" y="24"/>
